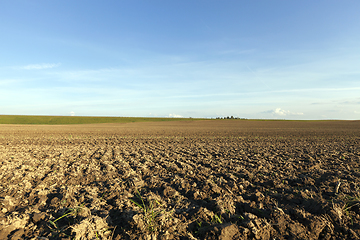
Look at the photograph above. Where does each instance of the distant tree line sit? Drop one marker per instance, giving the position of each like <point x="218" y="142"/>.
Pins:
<point x="231" y="117"/>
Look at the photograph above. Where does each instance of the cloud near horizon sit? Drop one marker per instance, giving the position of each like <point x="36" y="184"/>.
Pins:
<point x="40" y="66"/>
<point x="175" y="116"/>
<point x="282" y="112"/>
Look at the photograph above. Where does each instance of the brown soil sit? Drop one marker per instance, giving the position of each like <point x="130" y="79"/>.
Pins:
<point x="224" y="179"/>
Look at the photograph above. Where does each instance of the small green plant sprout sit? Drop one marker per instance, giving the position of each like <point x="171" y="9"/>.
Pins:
<point x="197" y="228"/>
<point x="217" y="219"/>
<point x="70" y="212"/>
<point x="103" y="195"/>
<point x="227" y="211"/>
<point x="350" y="202"/>
<point x="150" y="214"/>
<point x="346" y="211"/>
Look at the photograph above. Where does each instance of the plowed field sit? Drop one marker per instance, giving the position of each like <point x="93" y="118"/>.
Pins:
<point x="216" y="179"/>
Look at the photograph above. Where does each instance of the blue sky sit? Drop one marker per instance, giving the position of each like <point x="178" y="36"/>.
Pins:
<point x="253" y="59"/>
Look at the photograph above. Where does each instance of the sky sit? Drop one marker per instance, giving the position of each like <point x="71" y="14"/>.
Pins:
<point x="250" y="59"/>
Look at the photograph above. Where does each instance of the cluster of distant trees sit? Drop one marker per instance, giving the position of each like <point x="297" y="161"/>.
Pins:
<point x="231" y="117"/>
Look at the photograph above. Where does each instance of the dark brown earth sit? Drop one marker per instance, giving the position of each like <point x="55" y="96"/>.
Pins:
<point x="219" y="179"/>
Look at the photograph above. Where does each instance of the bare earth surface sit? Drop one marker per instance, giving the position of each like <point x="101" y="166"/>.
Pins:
<point x="223" y="179"/>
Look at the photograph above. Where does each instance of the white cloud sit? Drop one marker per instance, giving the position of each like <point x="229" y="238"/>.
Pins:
<point x="72" y="113"/>
<point x="175" y="116"/>
<point x="282" y="112"/>
<point x="40" y="66"/>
